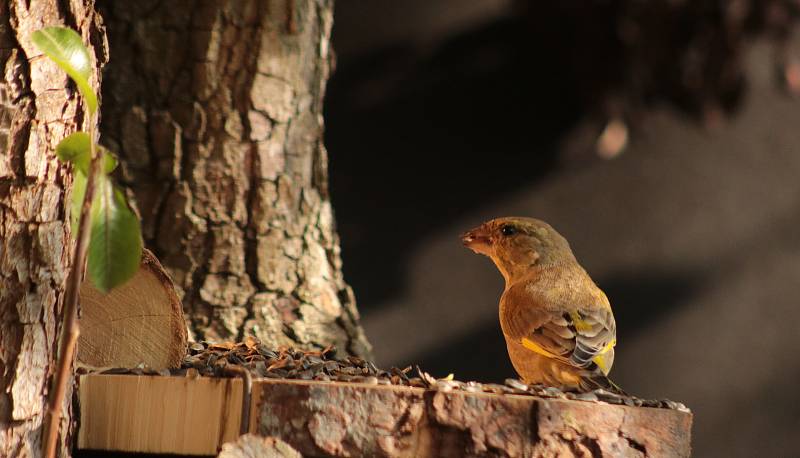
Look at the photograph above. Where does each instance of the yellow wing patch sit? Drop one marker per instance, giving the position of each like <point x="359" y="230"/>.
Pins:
<point x="601" y="360"/>
<point x="533" y="346"/>
<point x="579" y="323"/>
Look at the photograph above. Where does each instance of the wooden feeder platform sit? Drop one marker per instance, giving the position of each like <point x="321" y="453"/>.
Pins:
<point x="196" y="416"/>
<point x="207" y="396"/>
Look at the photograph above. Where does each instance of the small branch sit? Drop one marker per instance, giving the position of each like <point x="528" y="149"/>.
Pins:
<point x="70" y="328"/>
<point x="247" y="393"/>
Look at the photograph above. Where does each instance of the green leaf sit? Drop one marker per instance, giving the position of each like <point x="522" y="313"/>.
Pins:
<point x="76" y="149"/>
<point x="109" y="161"/>
<point x="78" y="191"/>
<point x="64" y="47"/>
<point x="115" y="247"/>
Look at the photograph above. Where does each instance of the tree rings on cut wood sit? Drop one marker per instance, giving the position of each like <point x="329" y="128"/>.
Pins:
<point x="140" y="322"/>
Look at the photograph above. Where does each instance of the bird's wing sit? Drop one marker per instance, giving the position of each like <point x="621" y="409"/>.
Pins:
<point x="583" y="336"/>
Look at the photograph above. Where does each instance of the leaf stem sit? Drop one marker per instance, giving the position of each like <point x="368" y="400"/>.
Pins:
<point x="70" y="328"/>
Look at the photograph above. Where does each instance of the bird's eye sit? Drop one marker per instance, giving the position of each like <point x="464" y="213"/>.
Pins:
<point x="508" y="230"/>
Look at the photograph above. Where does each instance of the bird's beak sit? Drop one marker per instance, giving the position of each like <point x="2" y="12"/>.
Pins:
<point x="478" y="240"/>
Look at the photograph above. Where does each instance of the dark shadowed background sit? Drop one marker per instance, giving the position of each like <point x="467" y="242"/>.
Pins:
<point x="442" y="114"/>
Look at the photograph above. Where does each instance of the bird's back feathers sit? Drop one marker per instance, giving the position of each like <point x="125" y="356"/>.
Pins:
<point x="561" y="314"/>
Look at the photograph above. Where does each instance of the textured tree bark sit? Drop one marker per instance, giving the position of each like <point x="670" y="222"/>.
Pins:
<point x="355" y="420"/>
<point x="216" y="112"/>
<point x="38" y="107"/>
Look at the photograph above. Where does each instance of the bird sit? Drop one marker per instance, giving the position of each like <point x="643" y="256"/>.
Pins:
<point x="557" y="323"/>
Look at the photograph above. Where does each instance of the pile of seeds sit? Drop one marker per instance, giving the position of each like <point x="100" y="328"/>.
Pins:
<point x="287" y="363"/>
<point x="214" y="360"/>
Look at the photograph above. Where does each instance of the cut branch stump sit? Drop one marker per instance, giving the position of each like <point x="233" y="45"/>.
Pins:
<point x="140" y="322"/>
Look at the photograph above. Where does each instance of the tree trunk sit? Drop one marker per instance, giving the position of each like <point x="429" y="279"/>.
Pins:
<point x="215" y="108"/>
<point x="38" y="107"/>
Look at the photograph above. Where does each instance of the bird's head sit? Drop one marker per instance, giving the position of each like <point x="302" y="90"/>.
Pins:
<point x="516" y="244"/>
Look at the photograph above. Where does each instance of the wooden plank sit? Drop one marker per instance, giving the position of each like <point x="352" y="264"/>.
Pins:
<point x="153" y="414"/>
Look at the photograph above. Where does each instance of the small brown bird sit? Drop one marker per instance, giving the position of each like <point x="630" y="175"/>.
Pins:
<point x="558" y="324"/>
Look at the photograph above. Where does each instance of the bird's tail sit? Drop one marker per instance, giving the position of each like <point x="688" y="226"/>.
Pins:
<point x="596" y="381"/>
